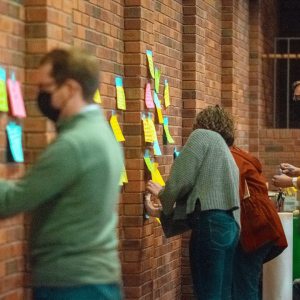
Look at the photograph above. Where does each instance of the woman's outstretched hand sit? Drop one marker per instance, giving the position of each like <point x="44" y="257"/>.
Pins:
<point x="153" y="188"/>
<point x="150" y="209"/>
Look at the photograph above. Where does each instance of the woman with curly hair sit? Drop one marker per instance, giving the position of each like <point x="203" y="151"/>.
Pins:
<point x="203" y="188"/>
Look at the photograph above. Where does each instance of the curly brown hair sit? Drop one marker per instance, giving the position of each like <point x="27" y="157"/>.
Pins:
<point x="217" y="119"/>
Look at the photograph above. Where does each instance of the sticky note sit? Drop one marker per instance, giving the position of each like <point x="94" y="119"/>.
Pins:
<point x="150" y="61"/>
<point x="157" y="76"/>
<point x="176" y="153"/>
<point x="120" y="94"/>
<point x="123" y="176"/>
<point x="3" y="96"/>
<point x="148" y="97"/>
<point x="166" y="94"/>
<point x="97" y="97"/>
<point x="160" y="117"/>
<point x="152" y="128"/>
<point x="156" y="148"/>
<point x="116" y="128"/>
<point x="14" y="133"/>
<point x="157" y="176"/>
<point x="166" y="128"/>
<point x="156" y="101"/>
<point x="16" y="99"/>
<point x="148" y="161"/>
<point x="148" y="132"/>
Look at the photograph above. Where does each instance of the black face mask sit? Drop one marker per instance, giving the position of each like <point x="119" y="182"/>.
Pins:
<point x="45" y="106"/>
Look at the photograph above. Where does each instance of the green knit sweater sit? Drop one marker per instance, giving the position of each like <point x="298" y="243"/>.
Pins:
<point x="72" y="191"/>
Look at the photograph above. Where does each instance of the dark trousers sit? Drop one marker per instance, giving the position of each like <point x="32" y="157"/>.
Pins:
<point x="84" y="292"/>
<point x="212" y="247"/>
<point x="247" y="273"/>
<point x="296" y="289"/>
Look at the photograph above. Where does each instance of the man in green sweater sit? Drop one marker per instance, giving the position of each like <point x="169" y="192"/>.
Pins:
<point x="73" y="188"/>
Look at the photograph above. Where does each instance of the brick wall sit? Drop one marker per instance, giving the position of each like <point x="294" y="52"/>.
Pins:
<point x="210" y="51"/>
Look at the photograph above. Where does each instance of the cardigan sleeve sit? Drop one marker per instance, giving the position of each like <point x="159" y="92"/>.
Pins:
<point x="185" y="170"/>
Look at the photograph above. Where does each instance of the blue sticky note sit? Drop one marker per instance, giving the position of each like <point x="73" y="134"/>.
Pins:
<point x="147" y="153"/>
<point x="14" y="133"/>
<point x="166" y="121"/>
<point x="156" y="101"/>
<point x="176" y="153"/>
<point x="166" y="82"/>
<point x="13" y="77"/>
<point x="112" y="112"/>
<point x="156" y="148"/>
<point x="119" y="81"/>
<point x="143" y="116"/>
<point x="148" y="52"/>
<point x="2" y="74"/>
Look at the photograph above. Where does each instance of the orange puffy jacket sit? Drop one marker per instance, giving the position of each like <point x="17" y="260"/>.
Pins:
<point x="260" y="222"/>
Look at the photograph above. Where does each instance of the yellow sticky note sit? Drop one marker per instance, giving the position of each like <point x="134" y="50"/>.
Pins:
<point x="123" y="176"/>
<point x="3" y="96"/>
<point x="150" y="61"/>
<point x="295" y="190"/>
<point x="166" y="94"/>
<point x="157" y="76"/>
<point x="160" y="117"/>
<point x="121" y="98"/>
<point x="153" y="130"/>
<point x="97" y="97"/>
<point x="158" y="220"/>
<point x="116" y="128"/>
<point x="156" y="176"/>
<point x="148" y="132"/>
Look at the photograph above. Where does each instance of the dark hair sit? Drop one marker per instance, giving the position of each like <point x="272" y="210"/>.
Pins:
<point x="216" y="119"/>
<point x="295" y="84"/>
<point x="74" y="64"/>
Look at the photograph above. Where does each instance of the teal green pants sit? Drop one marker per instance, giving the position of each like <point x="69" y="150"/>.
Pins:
<point x="84" y="292"/>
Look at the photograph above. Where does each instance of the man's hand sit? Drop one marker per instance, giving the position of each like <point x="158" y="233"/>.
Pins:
<point x="290" y="170"/>
<point x="282" y="181"/>
<point x="153" y="188"/>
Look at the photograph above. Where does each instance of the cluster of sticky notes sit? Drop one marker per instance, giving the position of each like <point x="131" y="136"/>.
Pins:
<point x="120" y="94"/>
<point x="15" y="95"/>
<point x="153" y="168"/>
<point x="14" y="134"/>
<point x="97" y="97"/>
<point x="116" y="128"/>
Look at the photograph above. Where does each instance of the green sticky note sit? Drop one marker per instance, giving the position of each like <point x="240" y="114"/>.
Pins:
<point x="149" y="165"/>
<point x="157" y="76"/>
<point x="3" y="96"/>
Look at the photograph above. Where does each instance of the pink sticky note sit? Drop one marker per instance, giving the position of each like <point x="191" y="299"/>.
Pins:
<point x="16" y="99"/>
<point x="149" y="100"/>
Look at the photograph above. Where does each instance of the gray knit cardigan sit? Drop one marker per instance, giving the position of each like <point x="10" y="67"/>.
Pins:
<point x="205" y="169"/>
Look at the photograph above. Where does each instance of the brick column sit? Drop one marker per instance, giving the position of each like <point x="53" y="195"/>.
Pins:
<point x="193" y="63"/>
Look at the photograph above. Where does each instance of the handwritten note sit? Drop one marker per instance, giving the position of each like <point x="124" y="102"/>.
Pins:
<point x="166" y="128"/>
<point x="16" y="99"/>
<point x="3" y="95"/>
<point x="123" y="176"/>
<point x="157" y="76"/>
<point x="148" y="97"/>
<point x="152" y="128"/>
<point x="148" y="132"/>
<point x="116" y="128"/>
<point x="97" y="97"/>
<point x="156" y="100"/>
<point x="166" y="94"/>
<point x="150" y="61"/>
<point x="14" y="133"/>
<point x="120" y="94"/>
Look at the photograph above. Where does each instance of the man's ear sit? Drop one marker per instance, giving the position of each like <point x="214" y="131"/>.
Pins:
<point x="73" y="87"/>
